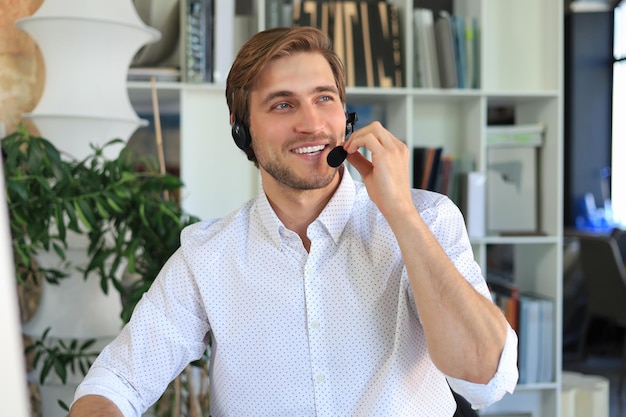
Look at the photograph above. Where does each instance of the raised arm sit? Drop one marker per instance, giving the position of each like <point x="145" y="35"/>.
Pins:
<point x="465" y="332"/>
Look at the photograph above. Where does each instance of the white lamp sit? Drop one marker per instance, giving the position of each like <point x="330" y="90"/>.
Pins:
<point x="87" y="47"/>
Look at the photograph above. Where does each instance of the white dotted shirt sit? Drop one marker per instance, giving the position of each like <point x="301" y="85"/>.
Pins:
<point x="333" y="332"/>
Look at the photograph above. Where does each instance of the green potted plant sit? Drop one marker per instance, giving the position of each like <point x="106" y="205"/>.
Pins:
<point x="122" y="208"/>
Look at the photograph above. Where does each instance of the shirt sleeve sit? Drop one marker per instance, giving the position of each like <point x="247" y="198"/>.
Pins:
<point x="104" y="382"/>
<point x="167" y="331"/>
<point x="503" y="381"/>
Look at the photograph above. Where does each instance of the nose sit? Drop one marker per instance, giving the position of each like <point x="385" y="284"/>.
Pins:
<point x="309" y="119"/>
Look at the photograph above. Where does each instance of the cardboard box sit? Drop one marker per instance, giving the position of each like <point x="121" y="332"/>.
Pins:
<point x="512" y="179"/>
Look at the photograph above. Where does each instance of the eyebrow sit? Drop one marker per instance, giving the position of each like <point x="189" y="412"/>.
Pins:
<point x="287" y="93"/>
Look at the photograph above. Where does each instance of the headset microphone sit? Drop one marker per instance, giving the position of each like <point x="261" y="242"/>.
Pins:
<point x="338" y="154"/>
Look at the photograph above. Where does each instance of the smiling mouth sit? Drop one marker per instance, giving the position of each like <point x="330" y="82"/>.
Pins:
<point x="310" y="150"/>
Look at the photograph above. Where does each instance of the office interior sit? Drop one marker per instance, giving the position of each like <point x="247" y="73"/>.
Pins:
<point x="594" y="186"/>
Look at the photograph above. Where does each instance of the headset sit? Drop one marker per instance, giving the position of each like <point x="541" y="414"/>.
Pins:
<point x="242" y="138"/>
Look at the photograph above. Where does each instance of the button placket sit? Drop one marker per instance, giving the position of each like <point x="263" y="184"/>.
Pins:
<point x="315" y="327"/>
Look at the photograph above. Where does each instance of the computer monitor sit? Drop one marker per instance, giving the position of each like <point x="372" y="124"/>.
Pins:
<point x="13" y="397"/>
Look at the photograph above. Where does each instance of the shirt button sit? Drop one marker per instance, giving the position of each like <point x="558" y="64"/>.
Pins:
<point x="320" y="378"/>
<point x="315" y="324"/>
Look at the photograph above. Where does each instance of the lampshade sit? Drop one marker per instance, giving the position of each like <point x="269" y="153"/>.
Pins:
<point x="87" y="47"/>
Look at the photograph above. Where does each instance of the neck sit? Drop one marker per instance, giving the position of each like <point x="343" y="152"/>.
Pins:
<point x="297" y="209"/>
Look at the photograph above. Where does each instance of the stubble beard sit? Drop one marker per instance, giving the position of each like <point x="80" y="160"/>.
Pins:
<point x="286" y="176"/>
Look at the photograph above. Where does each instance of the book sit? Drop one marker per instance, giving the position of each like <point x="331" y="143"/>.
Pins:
<point x="536" y="339"/>
<point x="529" y="339"/>
<point x="382" y="52"/>
<point x="428" y="168"/>
<point x="223" y="51"/>
<point x="445" y="49"/>
<point x="396" y="45"/>
<point x="425" y="32"/>
<point x="366" y="37"/>
<point x="274" y="13"/>
<point x="419" y="159"/>
<point x="471" y="53"/>
<point x="505" y="294"/>
<point x="367" y="72"/>
<point x="546" y="359"/>
<point x="434" y="172"/>
<point x="287" y="14"/>
<point x="354" y="44"/>
<point x="445" y="44"/>
<point x="419" y="55"/>
<point x="305" y="14"/>
<point x="197" y="21"/>
<point x="446" y="176"/>
<point x="458" y="30"/>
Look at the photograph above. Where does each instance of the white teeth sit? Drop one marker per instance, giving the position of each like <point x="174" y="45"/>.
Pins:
<point x="310" y="149"/>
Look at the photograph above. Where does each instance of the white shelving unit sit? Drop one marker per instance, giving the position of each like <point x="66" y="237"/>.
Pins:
<point x="521" y="65"/>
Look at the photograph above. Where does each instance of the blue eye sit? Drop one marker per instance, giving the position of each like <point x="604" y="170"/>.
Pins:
<point x="281" y="106"/>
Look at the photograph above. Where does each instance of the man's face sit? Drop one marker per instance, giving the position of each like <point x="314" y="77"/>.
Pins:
<point x="296" y="118"/>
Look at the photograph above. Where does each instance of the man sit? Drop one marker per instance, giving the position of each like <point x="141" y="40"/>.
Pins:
<point x="322" y="296"/>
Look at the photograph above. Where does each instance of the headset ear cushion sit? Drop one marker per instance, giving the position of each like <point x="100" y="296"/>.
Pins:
<point x="240" y="134"/>
<point x="351" y="118"/>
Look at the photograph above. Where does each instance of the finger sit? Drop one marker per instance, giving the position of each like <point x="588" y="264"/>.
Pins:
<point x="364" y="138"/>
<point x="360" y="163"/>
<point x="374" y="137"/>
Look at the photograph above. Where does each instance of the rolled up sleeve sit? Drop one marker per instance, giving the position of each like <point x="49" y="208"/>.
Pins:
<point x="503" y="381"/>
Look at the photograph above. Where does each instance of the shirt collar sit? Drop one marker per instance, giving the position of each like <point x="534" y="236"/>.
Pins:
<point x="334" y="217"/>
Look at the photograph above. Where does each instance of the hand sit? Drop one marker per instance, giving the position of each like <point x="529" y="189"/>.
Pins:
<point x="386" y="177"/>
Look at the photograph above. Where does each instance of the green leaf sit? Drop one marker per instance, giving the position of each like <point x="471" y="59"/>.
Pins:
<point x="85" y="214"/>
<point x="59" y="369"/>
<point x="113" y="204"/>
<point x="45" y="370"/>
<point x="83" y="369"/>
<point x="101" y="210"/>
<point x="87" y="344"/>
<point x="63" y="406"/>
<point x="71" y="213"/>
<point x="59" y="250"/>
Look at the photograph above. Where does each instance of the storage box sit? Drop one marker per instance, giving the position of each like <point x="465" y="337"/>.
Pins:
<point x="512" y="178"/>
<point x="471" y="198"/>
<point x="584" y="395"/>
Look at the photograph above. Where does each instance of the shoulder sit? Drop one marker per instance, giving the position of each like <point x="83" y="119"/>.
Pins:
<point x="426" y="200"/>
<point x="210" y="230"/>
<point x="432" y="205"/>
<point x="429" y="204"/>
<point x="437" y="211"/>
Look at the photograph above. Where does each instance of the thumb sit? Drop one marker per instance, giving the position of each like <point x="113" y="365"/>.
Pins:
<point x="360" y="163"/>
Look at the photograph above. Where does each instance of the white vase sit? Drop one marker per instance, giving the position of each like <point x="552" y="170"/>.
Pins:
<point x="76" y="308"/>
